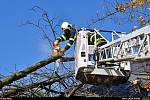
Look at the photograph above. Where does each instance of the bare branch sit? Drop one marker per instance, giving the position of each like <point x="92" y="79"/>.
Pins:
<point x="50" y="24"/>
<point x="28" y="70"/>
<point x="123" y="7"/>
<point x="74" y="90"/>
<point x="99" y="19"/>
<point x="41" y="84"/>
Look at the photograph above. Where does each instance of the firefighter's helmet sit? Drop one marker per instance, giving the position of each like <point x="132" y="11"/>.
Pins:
<point x="66" y="25"/>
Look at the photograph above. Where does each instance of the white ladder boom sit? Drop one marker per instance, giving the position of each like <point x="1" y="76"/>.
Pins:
<point x="134" y="46"/>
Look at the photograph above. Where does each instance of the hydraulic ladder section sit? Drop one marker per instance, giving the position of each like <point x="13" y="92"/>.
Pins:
<point x="131" y="47"/>
<point x="131" y="50"/>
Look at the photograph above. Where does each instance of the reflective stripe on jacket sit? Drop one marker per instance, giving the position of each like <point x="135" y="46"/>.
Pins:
<point x="68" y="35"/>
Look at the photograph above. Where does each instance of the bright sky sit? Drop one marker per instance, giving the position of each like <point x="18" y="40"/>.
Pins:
<point x="24" y="46"/>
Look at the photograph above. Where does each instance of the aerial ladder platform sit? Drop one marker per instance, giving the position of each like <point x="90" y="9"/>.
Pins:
<point x="111" y="62"/>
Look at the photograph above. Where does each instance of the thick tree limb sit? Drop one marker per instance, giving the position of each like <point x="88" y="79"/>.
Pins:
<point x="28" y="70"/>
<point x="34" y="85"/>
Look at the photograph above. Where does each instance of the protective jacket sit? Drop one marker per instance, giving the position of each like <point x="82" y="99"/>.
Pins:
<point x="68" y="35"/>
<point x="99" y="40"/>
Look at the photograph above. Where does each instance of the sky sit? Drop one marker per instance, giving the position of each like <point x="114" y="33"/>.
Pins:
<point x="23" y="46"/>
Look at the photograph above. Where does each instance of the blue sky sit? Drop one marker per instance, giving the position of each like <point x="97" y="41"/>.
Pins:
<point x="24" y="46"/>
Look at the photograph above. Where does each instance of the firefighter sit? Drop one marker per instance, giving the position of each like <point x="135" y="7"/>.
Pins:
<point x="69" y="34"/>
<point x="99" y="40"/>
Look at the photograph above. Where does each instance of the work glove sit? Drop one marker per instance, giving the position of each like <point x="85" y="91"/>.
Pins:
<point x="55" y="43"/>
<point x="62" y="51"/>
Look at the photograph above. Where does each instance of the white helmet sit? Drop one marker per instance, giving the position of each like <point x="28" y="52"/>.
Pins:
<point x="66" y="25"/>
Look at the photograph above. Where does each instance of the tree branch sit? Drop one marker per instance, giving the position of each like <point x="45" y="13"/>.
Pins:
<point x="28" y="70"/>
<point x="41" y="84"/>
<point x="74" y="90"/>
